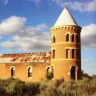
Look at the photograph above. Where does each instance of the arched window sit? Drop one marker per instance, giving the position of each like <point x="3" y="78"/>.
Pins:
<point x="78" y="54"/>
<point x="67" y="37"/>
<point x="53" y="53"/>
<point x="73" y="38"/>
<point x="67" y="53"/>
<point x="48" y="69"/>
<point x="49" y="72"/>
<point x="12" y="71"/>
<point x="73" y="53"/>
<point x="77" y="38"/>
<point x="29" y="71"/>
<point x="54" y="39"/>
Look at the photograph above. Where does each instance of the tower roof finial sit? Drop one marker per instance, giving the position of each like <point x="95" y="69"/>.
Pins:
<point x="65" y="6"/>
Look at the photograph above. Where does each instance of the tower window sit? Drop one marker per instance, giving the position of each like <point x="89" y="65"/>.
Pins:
<point x="67" y="53"/>
<point x="77" y="38"/>
<point x="54" y="39"/>
<point x="29" y="72"/>
<point x="73" y="53"/>
<point x="78" y="54"/>
<point x="12" y="71"/>
<point x="73" y="38"/>
<point x="53" y="54"/>
<point x="67" y="37"/>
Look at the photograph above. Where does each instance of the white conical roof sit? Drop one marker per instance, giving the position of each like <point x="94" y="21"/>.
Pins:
<point x="65" y="18"/>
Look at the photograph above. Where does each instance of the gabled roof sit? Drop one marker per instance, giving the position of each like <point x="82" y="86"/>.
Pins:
<point x="65" y="18"/>
<point x="26" y="57"/>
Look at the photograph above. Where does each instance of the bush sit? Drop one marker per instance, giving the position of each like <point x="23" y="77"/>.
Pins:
<point x="49" y="75"/>
<point x="13" y="86"/>
<point x="31" y="89"/>
<point x="2" y="91"/>
<point x="54" y="87"/>
<point x="48" y="89"/>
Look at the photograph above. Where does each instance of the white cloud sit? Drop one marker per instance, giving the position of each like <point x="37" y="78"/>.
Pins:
<point x="33" y="38"/>
<point x="5" y="2"/>
<point x="8" y="44"/>
<point x="88" y="36"/>
<point x="80" y="6"/>
<point x="26" y="37"/>
<point x="11" y="24"/>
<point x="37" y="37"/>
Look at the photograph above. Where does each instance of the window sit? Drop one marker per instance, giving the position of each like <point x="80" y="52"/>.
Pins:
<point x="29" y="72"/>
<point x="49" y="72"/>
<point x="67" y="53"/>
<point x="73" y="38"/>
<point x="53" y="54"/>
<point x="77" y="39"/>
<point x="73" y="53"/>
<point x="12" y="71"/>
<point x="54" y="39"/>
<point x="78" y="54"/>
<point x="67" y="37"/>
<point x="73" y="72"/>
<point x="48" y="69"/>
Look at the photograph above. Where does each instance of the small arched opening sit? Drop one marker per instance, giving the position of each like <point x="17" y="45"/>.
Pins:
<point x="54" y="39"/>
<point x="53" y="53"/>
<point x="77" y="38"/>
<point x="67" y="38"/>
<point x="49" y="72"/>
<point x="48" y="69"/>
<point x="29" y="72"/>
<point x="72" y="37"/>
<point x="73" y="72"/>
<point x="12" y="71"/>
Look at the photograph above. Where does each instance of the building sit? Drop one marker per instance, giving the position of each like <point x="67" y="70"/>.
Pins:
<point x="26" y="66"/>
<point x="66" y="47"/>
<point x="64" y="60"/>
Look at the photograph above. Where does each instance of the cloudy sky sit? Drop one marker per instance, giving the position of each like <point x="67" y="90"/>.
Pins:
<point x="25" y="26"/>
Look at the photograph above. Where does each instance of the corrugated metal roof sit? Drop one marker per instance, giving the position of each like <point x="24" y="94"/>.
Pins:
<point x="26" y="57"/>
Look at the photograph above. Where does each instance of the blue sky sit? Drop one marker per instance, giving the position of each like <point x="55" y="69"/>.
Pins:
<point x="25" y="26"/>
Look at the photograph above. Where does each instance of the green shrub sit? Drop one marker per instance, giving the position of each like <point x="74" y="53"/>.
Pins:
<point x="49" y="75"/>
<point x="69" y="88"/>
<point x="2" y="91"/>
<point x="13" y="86"/>
<point x="54" y="87"/>
<point x="46" y="89"/>
<point x="31" y="89"/>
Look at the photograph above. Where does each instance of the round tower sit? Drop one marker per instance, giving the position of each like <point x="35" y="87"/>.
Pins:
<point x="66" y="47"/>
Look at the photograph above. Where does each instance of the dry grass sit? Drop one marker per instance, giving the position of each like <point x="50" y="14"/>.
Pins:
<point x="16" y="87"/>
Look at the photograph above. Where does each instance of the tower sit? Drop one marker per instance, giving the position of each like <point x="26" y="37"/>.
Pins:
<point x="66" y="47"/>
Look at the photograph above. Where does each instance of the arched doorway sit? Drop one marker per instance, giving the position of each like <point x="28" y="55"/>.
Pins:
<point x="72" y="72"/>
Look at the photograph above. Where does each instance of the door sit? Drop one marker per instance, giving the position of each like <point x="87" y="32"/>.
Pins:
<point x="73" y="70"/>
